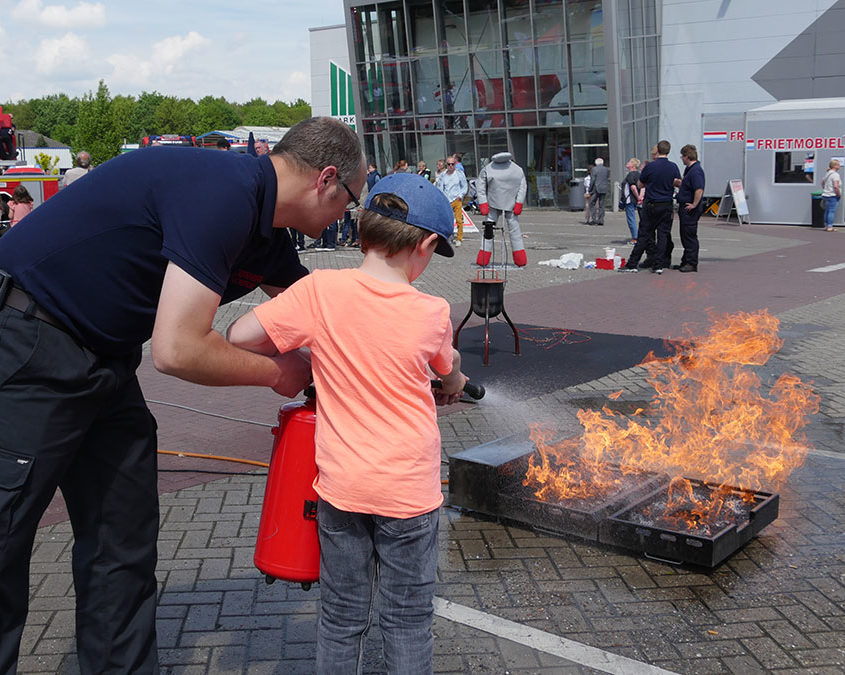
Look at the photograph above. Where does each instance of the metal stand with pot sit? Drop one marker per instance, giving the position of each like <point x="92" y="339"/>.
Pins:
<point x="488" y="296"/>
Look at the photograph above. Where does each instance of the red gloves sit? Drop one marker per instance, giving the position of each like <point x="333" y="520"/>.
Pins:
<point x="484" y="208"/>
<point x="517" y="209"/>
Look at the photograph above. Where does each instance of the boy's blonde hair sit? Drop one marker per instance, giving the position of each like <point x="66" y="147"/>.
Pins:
<point x="382" y="233"/>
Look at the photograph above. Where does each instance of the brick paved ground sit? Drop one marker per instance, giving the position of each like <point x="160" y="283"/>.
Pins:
<point x="778" y="605"/>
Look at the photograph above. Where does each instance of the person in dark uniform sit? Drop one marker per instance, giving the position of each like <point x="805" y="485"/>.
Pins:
<point x="690" y="207"/>
<point x="658" y="179"/>
<point x="147" y="246"/>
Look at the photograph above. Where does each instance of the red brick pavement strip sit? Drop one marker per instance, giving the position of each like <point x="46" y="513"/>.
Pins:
<point x="653" y="305"/>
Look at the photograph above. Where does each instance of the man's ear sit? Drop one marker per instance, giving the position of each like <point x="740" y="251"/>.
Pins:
<point x="326" y="178"/>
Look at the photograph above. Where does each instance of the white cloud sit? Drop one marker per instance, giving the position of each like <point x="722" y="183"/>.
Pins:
<point x="167" y="55"/>
<point x="81" y="15"/>
<point x="64" y="54"/>
<point x="170" y="51"/>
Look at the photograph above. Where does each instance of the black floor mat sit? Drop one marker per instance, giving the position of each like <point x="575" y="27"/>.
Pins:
<point x="550" y="358"/>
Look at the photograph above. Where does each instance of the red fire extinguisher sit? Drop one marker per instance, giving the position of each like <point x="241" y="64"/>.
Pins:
<point x="288" y="546"/>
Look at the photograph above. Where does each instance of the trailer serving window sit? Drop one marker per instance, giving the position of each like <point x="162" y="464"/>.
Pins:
<point x="794" y="167"/>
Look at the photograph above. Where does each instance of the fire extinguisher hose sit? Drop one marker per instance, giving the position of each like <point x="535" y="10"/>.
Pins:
<point x="222" y="458"/>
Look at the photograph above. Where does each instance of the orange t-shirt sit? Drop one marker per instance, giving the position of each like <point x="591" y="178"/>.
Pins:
<point x="378" y="443"/>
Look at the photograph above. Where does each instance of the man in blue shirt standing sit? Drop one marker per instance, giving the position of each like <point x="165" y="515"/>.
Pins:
<point x="658" y="179"/>
<point x="690" y="207"/>
<point x="147" y="246"/>
<point x="453" y="184"/>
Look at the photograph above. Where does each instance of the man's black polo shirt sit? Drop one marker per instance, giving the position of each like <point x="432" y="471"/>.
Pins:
<point x="658" y="176"/>
<point x="693" y="180"/>
<point x="94" y="255"/>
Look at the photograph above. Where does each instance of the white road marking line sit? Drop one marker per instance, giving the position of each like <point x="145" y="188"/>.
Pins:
<point x="592" y="657"/>
<point x="829" y="268"/>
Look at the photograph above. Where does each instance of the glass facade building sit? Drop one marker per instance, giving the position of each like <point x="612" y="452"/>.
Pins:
<point x="556" y="82"/>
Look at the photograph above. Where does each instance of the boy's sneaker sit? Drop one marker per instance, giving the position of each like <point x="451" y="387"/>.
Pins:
<point x="457" y="242"/>
<point x="628" y="269"/>
<point x="658" y="270"/>
<point x="314" y="245"/>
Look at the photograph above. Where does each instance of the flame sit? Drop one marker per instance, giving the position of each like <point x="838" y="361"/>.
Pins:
<point x="710" y="417"/>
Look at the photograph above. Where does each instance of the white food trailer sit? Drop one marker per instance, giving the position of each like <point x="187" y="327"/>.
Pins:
<point x="781" y="152"/>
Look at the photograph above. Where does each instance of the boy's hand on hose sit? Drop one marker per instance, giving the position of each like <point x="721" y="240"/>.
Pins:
<point x="294" y="372"/>
<point x="451" y="389"/>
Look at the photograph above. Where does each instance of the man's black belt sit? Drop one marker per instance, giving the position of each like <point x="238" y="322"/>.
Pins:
<point x="668" y="201"/>
<point x="20" y="300"/>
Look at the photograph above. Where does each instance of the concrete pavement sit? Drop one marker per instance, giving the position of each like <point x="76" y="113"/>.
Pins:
<point x="511" y="600"/>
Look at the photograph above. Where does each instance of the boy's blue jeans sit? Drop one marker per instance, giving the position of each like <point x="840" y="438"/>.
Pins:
<point x="361" y="555"/>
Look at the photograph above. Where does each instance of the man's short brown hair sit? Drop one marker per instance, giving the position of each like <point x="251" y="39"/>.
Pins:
<point x="690" y="152"/>
<point x="382" y="233"/>
<point x="663" y="147"/>
<point x="319" y="142"/>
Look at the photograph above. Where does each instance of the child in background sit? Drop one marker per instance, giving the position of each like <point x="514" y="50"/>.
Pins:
<point x="20" y="206"/>
<point x="373" y="338"/>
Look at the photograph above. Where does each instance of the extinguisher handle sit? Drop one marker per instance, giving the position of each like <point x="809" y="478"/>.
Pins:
<point x="475" y="391"/>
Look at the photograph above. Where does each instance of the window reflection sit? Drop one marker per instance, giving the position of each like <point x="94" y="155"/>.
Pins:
<point x="585" y="19"/>
<point x="520" y="63"/>
<point x="421" y="20"/>
<point x="483" y="24"/>
<point x="397" y="87"/>
<point x="548" y="21"/>
<point x="516" y="22"/>
<point x="426" y="74"/>
<point x="450" y="17"/>
<point x="456" y="92"/>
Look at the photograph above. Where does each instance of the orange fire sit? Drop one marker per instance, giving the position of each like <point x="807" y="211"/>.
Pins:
<point x="709" y="418"/>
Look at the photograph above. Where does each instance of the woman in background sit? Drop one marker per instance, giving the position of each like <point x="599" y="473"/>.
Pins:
<point x="20" y="206"/>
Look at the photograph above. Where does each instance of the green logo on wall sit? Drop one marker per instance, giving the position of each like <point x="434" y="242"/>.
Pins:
<point x="343" y="103"/>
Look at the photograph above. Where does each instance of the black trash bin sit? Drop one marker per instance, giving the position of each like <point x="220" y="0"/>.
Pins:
<point x="577" y="202"/>
<point x="816" y="210"/>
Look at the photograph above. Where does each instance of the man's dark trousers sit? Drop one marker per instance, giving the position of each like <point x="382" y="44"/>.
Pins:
<point x="83" y="426"/>
<point x="689" y="233"/>
<point x="645" y="241"/>
<point x="660" y="215"/>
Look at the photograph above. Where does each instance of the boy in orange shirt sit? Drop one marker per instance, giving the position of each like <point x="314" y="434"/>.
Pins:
<point x="373" y="338"/>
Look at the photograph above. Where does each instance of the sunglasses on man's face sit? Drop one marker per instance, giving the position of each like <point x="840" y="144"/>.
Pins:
<point x="352" y="197"/>
<point x="450" y="164"/>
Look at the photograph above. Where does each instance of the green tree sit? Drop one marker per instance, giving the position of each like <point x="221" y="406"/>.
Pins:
<point x="258" y="112"/>
<point x="122" y="112"/>
<point x="290" y="114"/>
<point x="215" y="113"/>
<point x="175" y="116"/>
<point x="142" y="122"/>
<point x="95" y="130"/>
<point x="52" y="111"/>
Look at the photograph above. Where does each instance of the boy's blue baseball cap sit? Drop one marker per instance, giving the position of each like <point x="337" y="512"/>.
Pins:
<point x="428" y="208"/>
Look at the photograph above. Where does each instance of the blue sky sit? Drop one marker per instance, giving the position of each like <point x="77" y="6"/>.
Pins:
<point x="189" y="48"/>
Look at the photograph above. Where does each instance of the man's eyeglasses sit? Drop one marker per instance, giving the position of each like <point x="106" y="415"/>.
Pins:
<point x="352" y="197"/>
<point x="450" y="164"/>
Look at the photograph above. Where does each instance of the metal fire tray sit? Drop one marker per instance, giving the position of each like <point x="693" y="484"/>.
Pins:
<point x="628" y="529"/>
<point x="488" y="479"/>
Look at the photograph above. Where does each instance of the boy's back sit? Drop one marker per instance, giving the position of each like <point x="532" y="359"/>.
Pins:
<point x="378" y="444"/>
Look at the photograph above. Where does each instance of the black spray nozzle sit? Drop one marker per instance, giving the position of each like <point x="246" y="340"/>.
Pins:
<point x="488" y="228"/>
<point x="475" y="391"/>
